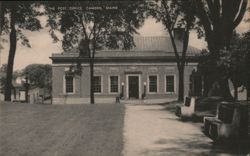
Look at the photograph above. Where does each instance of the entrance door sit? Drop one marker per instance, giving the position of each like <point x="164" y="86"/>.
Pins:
<point x="133" y="87"/>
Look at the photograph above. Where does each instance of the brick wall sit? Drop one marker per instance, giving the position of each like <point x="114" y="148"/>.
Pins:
<point x="82" y="83"/>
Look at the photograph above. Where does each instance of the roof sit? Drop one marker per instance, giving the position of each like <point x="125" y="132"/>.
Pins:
<point x="159" y="43"/>
<point x="149" y="46"/>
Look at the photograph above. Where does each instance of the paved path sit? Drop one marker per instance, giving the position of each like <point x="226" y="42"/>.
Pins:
<point x="150" y="130"/>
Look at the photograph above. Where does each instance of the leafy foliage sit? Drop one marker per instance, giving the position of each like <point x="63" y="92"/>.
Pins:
<point x="89" y="30"/>
<point x="3" y="71"/>
<point x="26" y="13"/>
<point x="233" y="63"/>
<point x="16" y="16"/>
<point x="239" y="58"/>
<point x="219" y="19"/>
<point x="101" y="28"/>
<point x="176" y="16"/>
<point x="39" y="74"/>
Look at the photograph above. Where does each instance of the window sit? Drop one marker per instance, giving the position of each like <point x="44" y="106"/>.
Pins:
<point x="170" y="84"/>
<point x="114" y="84"/>
<point x="97" y="84"/>
<point x="69" y="86"/>
<point x="152" y="83"/>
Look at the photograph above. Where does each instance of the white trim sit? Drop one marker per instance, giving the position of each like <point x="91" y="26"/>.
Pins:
<point x="101" y="85"/>
<point x="157" y="76"/>
<point x="127" y="85"/>
<point x="109" y="84"/>
<point x="165" y="84"/>
<point x="64" y="86"/>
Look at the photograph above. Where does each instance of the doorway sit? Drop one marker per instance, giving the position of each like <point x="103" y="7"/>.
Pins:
<point x="133" y="87"/>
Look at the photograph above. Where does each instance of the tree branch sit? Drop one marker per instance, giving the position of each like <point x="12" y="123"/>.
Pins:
<point x="174" y="21"/>
<point x="94" y="39"/>
<point x="186" y="35"/>
<point x="204" y="18"/>
<point x="168" y="26"/>
<point x="241" y="14"/>
<point x="211" y="8"/>
<point x="216" y="10"/>
<point x="236" y="8"/>
<point x="84" y="28"/>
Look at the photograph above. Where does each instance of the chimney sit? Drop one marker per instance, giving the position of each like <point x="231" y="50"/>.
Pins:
<point x="179" y="33"/>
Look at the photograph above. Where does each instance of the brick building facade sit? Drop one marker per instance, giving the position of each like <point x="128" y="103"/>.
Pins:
<point x="148" y="71"/>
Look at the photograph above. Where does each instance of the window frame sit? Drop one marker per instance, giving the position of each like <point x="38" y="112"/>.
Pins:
<point x="157" y="84"/>
<point x="64" y="85"/>
<point x="101" y="84"/>
<point x="109" y="84"/>
<point x="165" y="84"/>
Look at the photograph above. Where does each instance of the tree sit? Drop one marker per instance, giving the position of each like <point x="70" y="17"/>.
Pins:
<point x="39" y="74"/>
<point x="172" y="13"/>
<point x="96" y="28"/>
<point x="3" y="79"/>
<point x="232" y="63"/>
<point x="219" y="18"/>
<point x="240" y="58"/>
<point x="14" y="18"/>
<point x="3" y="70"/>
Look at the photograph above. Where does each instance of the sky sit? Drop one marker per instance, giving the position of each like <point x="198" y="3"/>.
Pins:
<point x="42" y="45"/>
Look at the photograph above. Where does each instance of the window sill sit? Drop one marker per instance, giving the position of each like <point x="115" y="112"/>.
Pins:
<point x="170" y="93"/>
<point x="152" y="92"/>
<point x="98" y="93"/>
<point x="69" y="94"/>
<point x="113" y="93"/>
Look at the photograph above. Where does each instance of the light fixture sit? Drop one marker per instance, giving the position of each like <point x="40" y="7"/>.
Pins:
<point x="122" y="91"/>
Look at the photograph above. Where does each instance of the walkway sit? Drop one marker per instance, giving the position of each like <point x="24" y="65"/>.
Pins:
<point x="150" y="130"/>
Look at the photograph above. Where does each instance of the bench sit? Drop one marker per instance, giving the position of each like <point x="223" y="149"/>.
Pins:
<point x="186" y="109"/>
<point x="230" y="122"/>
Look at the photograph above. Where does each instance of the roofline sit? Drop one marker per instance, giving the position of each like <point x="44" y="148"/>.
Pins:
<point x="148" y="59"/>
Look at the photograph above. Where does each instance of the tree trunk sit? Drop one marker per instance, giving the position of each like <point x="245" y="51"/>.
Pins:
<point x="215" y="76"/>
<point x="225" y="90"/>
<point x="181" y="84"/>
<point x="209" y="80"/>
<point x="92" y="98"/>
<point x="12" y="51"/>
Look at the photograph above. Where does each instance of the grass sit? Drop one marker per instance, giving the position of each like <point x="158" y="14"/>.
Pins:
<point x="61" y="130"/>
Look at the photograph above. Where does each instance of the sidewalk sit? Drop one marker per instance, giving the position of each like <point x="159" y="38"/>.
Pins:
<point x="150" y="130"/>
<point x="148" y="101"/>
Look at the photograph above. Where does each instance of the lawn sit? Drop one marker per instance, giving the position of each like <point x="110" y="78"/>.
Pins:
<point x="61" y="130"/>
